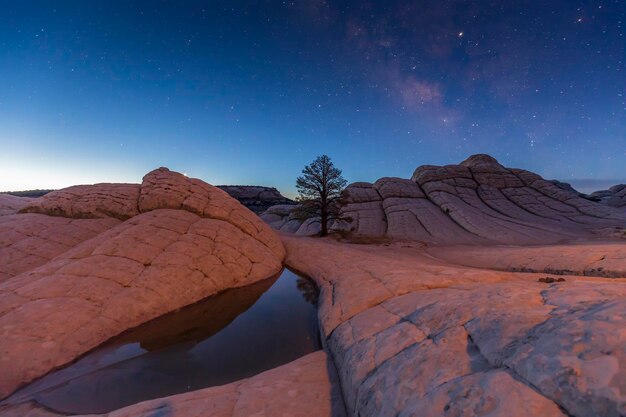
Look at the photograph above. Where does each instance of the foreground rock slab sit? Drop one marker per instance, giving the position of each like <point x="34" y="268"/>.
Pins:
<point x="307" y="387"/>
<point x="412" y="335"/>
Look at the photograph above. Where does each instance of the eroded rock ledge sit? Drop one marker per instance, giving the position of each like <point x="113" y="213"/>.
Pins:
<point x="89" y="262"/>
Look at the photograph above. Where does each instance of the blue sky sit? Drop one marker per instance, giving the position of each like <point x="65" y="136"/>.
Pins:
<point x="238" y="92"/>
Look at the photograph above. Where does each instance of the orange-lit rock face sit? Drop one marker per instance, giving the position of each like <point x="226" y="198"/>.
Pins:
<point x="30" y="240"/>
<point x="118" y="201"/>
<point x="80" y="282"/>
<point x="413" y="335"/>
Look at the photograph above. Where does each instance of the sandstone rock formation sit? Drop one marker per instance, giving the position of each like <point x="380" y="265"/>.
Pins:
<point x="30" y="240"/>
<point x="256" y="198"/>
<point x="413" y="335"/>
<point x="281" y="217"/>
<point x="118" y="201"/>
<point x="614" y="196"/>
<point x="307" y="387"/>
<point x="96" y="260"/>
<point x="10" y="204"/>
<point x="478" y="201"/>
<point x="474" y="324"/>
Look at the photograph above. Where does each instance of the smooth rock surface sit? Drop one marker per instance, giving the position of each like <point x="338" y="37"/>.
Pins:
<point x="601" y="259"/>
<point x="413" y="335"/>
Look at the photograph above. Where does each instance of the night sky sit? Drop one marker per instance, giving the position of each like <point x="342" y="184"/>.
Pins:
<point x="238" y="92"/>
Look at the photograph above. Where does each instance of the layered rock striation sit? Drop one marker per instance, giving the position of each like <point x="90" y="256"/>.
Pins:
<point x="478" y="201"/>
<point x="89" y="262"/>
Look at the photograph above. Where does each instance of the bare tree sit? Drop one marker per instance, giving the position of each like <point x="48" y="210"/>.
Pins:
<point x="320" y="187"/>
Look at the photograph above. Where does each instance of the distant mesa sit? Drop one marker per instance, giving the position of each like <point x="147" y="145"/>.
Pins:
<point x="29" y="193"/>
<point x="256" y="198"/>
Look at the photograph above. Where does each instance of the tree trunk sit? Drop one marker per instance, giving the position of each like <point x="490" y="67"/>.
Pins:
<point x="324" y="221"/>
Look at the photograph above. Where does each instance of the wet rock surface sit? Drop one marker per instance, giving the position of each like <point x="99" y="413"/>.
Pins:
<point x="232" y="335"/>
<point x="307" y="387"/>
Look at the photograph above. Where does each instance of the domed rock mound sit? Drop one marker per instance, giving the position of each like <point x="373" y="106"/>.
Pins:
<point x="477" y="201"/>
<point x="614" y="196"/>
<point x="93" y="261"/>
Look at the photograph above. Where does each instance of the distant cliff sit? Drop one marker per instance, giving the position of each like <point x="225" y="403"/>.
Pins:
<point x="28" y="193"/>
<point x="256" y="198"/>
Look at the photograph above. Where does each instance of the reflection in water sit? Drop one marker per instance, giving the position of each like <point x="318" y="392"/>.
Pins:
<point x="308" y="289"/>
<point x="232" y="335"/>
